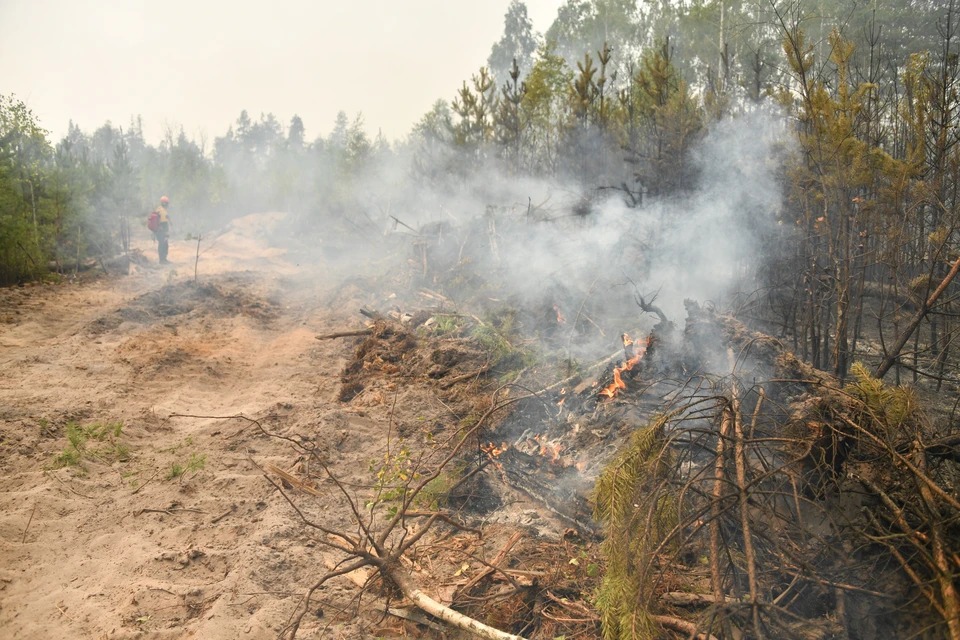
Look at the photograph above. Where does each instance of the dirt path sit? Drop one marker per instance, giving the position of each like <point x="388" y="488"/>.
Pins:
<point x="125" y="544"/>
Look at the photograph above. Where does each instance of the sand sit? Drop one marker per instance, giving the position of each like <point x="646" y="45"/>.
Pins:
<point x="128" y="548"/>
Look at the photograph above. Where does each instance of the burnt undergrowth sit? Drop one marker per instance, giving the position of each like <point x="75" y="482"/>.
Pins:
<point x="705" y="481"/>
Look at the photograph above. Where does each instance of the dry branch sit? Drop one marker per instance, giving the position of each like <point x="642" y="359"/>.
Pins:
<point x="894" y="353"/>
<point x="413" y="616"/>
<point x="359" y="577"/>
<point x="449" y="382"/>
<point x="495" y="563"/>
<point x="945" y="577"/>
<point x="676" y="624"/>
<point x="223" y="515"/>
<point x="408" y="587"/>
<point x="370" y="547"/>
<point x="23" y="539"/>
<point x="293" y="480"/>
<point x="740" y="463"/>
<point x="345" y="334"/>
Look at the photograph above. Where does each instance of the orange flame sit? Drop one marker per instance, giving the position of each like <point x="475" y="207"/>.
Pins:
<point x="611" y="390"/>
<point x="551" y="450"/>
<point x="493" y="452"/>
<point x="560" y="318"/>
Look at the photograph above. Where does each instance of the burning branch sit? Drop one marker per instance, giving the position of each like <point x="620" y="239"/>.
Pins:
<point x="633" y="355"/>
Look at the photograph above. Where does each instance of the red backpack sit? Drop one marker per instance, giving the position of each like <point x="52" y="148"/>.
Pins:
<point x="153" y="221"/>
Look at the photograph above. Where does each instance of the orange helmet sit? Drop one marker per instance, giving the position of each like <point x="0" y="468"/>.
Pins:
<point x="164" y="200"/>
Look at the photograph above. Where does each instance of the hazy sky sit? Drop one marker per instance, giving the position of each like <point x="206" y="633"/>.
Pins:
<point x="197" y="63"/>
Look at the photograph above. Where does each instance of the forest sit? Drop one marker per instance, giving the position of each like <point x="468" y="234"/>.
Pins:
<point x="845" y="118"/>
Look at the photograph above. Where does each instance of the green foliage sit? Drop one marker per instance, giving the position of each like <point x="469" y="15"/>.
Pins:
<point x="889" y="409"/>
<point x="446" y="325"/>
<point x="99" y="441"/>
<point x="394" y="474"/>
<point x="636" y="517"/>
<point x="517" y="44"/>
<point x="195" y="463"/>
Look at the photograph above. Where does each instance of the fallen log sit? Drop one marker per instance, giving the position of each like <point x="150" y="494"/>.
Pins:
<point x="408" y="587"/>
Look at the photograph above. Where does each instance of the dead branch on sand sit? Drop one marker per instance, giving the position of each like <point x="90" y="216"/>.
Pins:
<point x="384" y="533"/>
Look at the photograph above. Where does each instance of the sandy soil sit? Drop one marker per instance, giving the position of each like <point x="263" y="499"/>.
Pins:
<point x="118" y="548"/>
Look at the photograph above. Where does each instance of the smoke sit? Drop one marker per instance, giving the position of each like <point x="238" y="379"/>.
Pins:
<point x="490" y="240"/>
<point x="493" y="238"/>
<point x="708" y="245"/>
<point x="705" y="245"/>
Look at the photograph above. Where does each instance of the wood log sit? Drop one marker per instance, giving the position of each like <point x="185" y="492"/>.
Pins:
<point x="67" y="267"/>
<point x="408" y="587"/>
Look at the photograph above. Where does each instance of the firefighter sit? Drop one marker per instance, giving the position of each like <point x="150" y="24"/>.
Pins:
<point x="163" y="231"/>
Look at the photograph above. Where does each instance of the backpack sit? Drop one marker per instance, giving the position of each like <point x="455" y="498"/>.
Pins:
<point x="153" y="221"/>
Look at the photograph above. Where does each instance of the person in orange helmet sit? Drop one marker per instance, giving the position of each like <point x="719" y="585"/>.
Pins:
<point x="163" y="231"/>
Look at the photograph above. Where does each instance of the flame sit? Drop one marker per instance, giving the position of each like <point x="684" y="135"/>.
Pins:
<point x="639" y="350"/>
<point x="551" y="450"/>
<point x="560" y="318"/>
<point x="493" y="452"/>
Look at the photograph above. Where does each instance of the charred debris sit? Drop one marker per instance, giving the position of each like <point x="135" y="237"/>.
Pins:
<point x="700" y="481"/>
